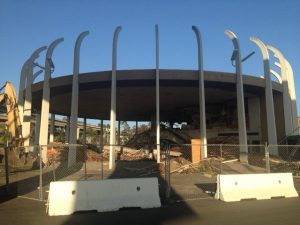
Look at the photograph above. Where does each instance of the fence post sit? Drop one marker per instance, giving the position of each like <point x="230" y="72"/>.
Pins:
<point x="102" y="167"/>
<point x="267" y="157"/>
<point x="85" y="159"/>
<point x="6" y="168"/>
<point x="41" y="174"/>
<point x="221" y="154"/>
<point x="167" y="172"/>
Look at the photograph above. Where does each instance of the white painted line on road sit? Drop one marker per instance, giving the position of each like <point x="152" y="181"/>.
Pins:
<point x="34" y="199"/>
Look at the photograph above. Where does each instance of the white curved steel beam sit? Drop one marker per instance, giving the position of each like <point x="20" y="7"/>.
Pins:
<point x="281" y="60"/>
<point x="74" y="101"/>
<point x="37" y="52"/>
<point x="37" y="115"/>
<point x="22" y="86"/>
<point x="26" y="106"/>
<point x="291" y="79"/>
<point x="272" y="134"/>
<point x="293" y="96"/>
<point x="112" y="138"/>
<point x="287" y="102"/>
<point x="203" y="137"/>
<point x="276" y="75"/>
<point x="48" y="60"/>
<point x="26" y="69"/>
<point x="36" y="74"/>
<point x="43" y="136"/>
<point x="157" y="93"/>
<point x="240" y="98"/>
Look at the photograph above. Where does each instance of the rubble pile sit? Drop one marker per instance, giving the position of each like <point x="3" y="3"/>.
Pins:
<point x="279" y="165"/>
<point x="147" y="139"/>
<point x="96" y="156"/>
<point x="122" y="153"/>
<point x="127" y="154"/>
<point x="181" y="165"/>
<point x="143" y="140"/>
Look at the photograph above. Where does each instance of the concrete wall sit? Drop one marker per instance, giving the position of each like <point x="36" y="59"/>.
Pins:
<point x="279" y="115"/>
<point x="263" y="120"/>
<point x="254" y="114"/>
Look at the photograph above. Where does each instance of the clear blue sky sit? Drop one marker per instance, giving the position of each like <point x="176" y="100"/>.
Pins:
<point x="28" y="24"/>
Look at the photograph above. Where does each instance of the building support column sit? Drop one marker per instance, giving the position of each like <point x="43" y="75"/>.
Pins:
<point x="203" y="138"/>
<point x="43" y="137"/>
<point x="101" y="136"/>
<point x="84" y="132"/>
<point x="240" y="98"/>
<point x="119" y="132"/>
<point x="272" y="134"/>
<point x="74" y="101"/>
<point x="112" y="139"/>
<point x="157" y="93"/>
<point x="77" y="133"/>
<point x="52" y="121"/>
<point x="67" y="130"/>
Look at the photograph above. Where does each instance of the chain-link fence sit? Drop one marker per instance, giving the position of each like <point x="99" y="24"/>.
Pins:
<point x="63" y="162"/>
<point x="28" y="171"/>
<point x="285" y="158"/>
<point x="184" y="171"/>
<point x="128" y="163"/>
<point x="19" y="168"/>
<point x="193" y="169"/>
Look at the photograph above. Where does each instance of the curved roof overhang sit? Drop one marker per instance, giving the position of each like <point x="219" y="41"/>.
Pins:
<point x="136" y="92"/>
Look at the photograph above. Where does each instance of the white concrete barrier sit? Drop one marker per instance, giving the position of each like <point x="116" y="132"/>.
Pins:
<point x="255" y="186"/>
<point x="67" y="197"/>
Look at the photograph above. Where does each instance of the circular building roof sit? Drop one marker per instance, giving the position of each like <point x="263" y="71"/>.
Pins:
<point x="136" y="93"/>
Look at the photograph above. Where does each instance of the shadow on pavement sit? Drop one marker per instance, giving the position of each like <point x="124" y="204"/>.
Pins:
<point x="168" y="212"/>
<point x="31" y="183"/>
<point x="208" y="188"/>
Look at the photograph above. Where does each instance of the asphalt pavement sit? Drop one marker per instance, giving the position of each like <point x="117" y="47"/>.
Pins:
<point x="285" y="211"/>
<point x="203" y="210"/>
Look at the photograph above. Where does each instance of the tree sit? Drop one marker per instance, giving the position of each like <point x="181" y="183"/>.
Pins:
<point x="91" y="136"/>
<point x="126" y="133"/>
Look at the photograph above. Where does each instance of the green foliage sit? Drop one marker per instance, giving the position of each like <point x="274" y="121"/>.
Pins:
<point x="4" y="134"/>
<point x="59" y="135"/>
<point x="92" y="136"/>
